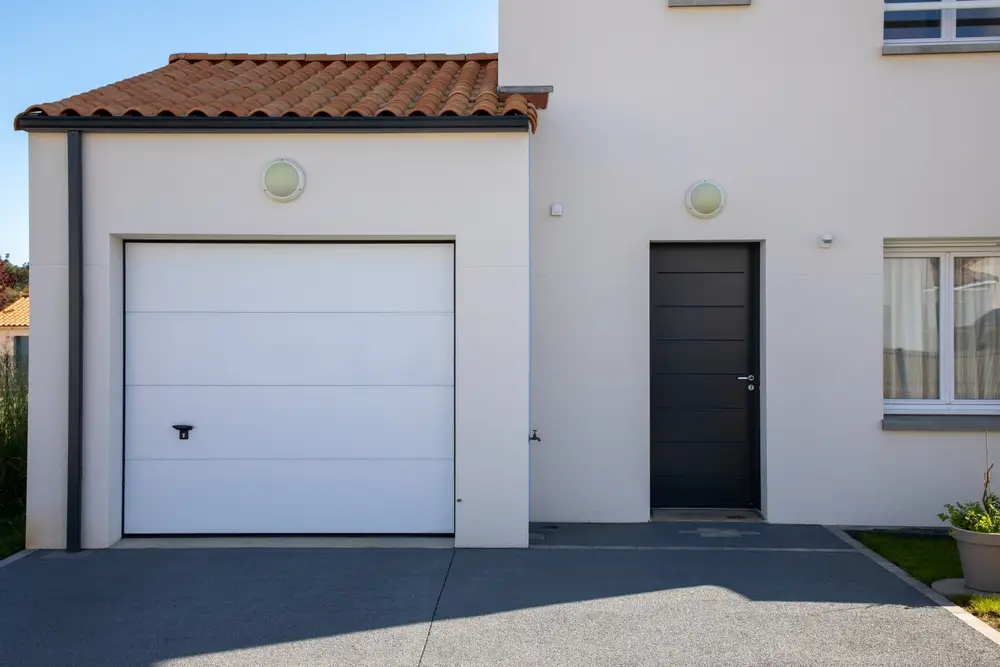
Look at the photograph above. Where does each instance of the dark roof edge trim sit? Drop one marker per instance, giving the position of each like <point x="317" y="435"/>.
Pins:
<point x="525" y="90"/>
<point x="510" y="123"/>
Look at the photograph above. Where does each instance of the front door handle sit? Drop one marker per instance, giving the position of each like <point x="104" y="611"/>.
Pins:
<point x="749" y="378"/>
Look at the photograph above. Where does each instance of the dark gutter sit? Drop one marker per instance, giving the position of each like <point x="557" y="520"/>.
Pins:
<point x="356" y="124"/>
<point x="74" y="477"/>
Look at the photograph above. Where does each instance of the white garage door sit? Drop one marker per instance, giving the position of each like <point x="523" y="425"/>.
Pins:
<point x="318" y="378"/>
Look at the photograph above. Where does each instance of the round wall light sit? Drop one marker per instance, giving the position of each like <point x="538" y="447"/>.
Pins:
<point x="283" y="180"/>
<point x="705" y="199"/>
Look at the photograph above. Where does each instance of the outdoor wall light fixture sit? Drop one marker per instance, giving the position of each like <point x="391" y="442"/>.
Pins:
<point x="283" y="180"/>
<point x="705" y="199"/>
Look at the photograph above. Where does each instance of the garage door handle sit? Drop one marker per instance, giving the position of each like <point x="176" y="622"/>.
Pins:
<point x="183" y="430"/>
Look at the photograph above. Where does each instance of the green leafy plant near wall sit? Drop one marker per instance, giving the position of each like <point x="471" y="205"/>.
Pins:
<point x="13" y="454"/>
<point x="980" y="516"/>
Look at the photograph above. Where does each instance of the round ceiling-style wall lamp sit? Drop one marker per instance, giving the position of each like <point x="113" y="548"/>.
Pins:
<point x="283" y="180"/>
<point x="705" y="199"/>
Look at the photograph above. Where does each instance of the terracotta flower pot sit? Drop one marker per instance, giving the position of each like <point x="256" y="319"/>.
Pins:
<point x="980" y="554"/>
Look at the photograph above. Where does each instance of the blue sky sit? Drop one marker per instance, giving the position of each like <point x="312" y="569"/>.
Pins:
<point x="61" y="47"/>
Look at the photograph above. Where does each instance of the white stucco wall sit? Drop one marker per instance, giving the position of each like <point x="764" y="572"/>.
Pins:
<point x="472" y="188"/>
<point x="792" y="107"/>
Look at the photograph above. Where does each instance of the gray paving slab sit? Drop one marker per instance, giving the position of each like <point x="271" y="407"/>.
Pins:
<point x="219" y="607"/>
<point x="602" y="608"/>
<point x="728" y="534"/>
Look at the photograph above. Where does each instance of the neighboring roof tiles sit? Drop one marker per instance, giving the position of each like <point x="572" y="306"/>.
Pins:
<point x="305" y="85"/>
<point x="16" y="314"/>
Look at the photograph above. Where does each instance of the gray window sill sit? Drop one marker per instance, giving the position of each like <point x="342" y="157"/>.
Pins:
<point x="950" y="47"/>
<point x="708" y="3"/>
<point x="978" y="423"/>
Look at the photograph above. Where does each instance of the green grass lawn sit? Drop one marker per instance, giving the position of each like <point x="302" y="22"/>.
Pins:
<point x="926" y="557"/>
<point x="987" y="609"/>
<point x="929" y="558"/>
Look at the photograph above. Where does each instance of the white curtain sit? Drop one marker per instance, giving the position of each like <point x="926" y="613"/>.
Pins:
<point x="977" y="328"/>
<point x="910" y="331"/>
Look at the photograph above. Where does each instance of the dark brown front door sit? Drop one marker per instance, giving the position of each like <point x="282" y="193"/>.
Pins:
<point x="704" y="409"/>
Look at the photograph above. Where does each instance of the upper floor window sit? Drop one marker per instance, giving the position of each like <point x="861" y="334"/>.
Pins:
<point x="921" y="21"/>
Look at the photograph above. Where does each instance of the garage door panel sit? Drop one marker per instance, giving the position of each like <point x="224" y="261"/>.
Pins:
<point x="291" y="349"/>
<point x="291" y="423"/>
<point x="314" y="497"/>
<point x="319" y="380"/>
<point x="313" y="278"/>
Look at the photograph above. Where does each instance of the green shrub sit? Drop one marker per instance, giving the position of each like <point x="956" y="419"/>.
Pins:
<point x="974" y="516"/>
<point x="980" y="516"/>
<point x="13" y="453"/>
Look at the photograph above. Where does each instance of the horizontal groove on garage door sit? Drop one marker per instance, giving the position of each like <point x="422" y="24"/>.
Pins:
<point x="314" y="348"/>
<point x="286" y="458"/>
<point x="308" y="312"/>
<point x="395" y="278"/>
<point x="448" y="384"/>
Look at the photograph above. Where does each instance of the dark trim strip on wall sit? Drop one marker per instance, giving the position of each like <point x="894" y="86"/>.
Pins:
<point x="74" y="470"/>
<point x="355" y="124"/>
<point x="952" y="422"/>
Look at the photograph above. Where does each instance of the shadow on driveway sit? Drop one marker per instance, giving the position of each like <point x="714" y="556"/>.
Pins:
<point x="545" y="607"/>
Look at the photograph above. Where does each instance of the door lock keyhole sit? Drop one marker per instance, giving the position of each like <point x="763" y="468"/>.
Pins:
<point x="183" y="430"/>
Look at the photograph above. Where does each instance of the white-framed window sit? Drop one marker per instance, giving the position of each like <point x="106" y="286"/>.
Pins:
<point x="941" y="328"/>
<point x="941" y="21"/>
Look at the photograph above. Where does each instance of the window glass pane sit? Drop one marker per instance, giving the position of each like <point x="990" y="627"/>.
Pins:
<point x="977" y="328"/>
<point x="978" y="23"/>
<point x="21" y="352"/>
<point x="912" y="25"/>
<point x="911" y="347"/>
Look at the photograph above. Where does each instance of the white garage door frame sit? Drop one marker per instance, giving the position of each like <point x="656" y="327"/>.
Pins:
<point x="285" y="242"/>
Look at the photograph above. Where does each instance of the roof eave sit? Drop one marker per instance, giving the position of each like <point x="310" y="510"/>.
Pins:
<point x="355" y="124"/>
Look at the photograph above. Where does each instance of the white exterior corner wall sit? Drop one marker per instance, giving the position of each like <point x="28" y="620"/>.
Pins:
<point x="48" y="201"/>
<point x="792" y="108"/>
<point x="471" y="188"/>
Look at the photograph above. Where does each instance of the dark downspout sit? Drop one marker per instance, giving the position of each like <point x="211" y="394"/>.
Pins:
<point x="74" y="478"/>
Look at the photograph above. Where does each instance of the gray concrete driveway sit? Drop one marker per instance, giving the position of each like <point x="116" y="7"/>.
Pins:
<point x="690" y="596"/>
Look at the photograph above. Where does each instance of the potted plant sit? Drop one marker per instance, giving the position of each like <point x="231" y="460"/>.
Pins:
<point x="976" y="529"/>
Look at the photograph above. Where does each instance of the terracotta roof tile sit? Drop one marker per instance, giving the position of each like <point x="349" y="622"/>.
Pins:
<point x="16" y="314"/>
<point x="270" y="84"/>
